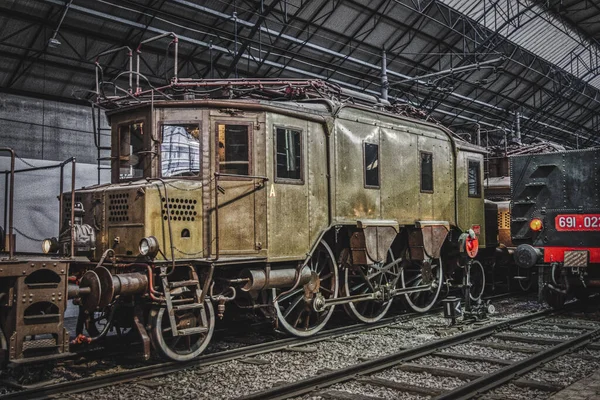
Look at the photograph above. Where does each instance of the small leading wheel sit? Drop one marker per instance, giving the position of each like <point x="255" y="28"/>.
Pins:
<point x="425" y="294"/>
<point x="477" y="279"/>
<point x="185" y="347"/>
<point x="369" y="279"/>
<point x="295" y="311"/>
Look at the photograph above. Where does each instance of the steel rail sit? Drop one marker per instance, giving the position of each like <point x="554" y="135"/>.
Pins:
<point x="307" y="385"/>
<point x="508" y="373"/>
<point x="165" y="368"/>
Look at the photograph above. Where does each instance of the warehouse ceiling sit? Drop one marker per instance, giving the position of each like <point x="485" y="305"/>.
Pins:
<point x="502" y="66"/>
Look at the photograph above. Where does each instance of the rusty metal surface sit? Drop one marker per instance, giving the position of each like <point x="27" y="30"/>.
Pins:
<point x="426" y="240"/>
<point x="36" y="302"/>
<point x="258" y="279"/>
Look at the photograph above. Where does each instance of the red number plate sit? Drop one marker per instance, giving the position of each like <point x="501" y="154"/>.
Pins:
<point x="577" y="222"/>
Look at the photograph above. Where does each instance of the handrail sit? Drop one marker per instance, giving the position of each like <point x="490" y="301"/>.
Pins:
<point x="138" y="52"/>
<point x="99" y="68"/>
<point x="11" y="250"/>
<point x="10" y="199"/>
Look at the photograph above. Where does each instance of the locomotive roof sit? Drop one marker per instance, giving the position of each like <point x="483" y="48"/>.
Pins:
<point x="309" y="109"/>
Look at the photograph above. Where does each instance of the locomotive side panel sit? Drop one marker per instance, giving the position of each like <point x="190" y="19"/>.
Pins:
<point x="400" y="186"/>
<point x="240" y="149"/>
<point x="288" y="187"/>
<point x="353" y="198"/>
<point x="469" y="173"/>
<point x="316" y="175"/>
<point x="435" y="179"/>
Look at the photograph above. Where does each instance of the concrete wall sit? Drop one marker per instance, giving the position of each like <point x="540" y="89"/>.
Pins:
<point x="48" y="130"/>
<point x="45" y="132"/>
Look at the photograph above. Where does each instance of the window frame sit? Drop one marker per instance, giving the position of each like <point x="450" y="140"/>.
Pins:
<point x="288" y="181"/>
<point x="432" y="190"/>
<point x="480" y="180"/>
<point x="145" y="167"/>
<point x="250" y="126"/>
<point x="364" y="157"/>
<point x="160" y="142"/>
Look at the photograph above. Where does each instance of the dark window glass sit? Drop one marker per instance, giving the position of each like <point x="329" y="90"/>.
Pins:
<point x="474" y="179"/>
<point x="426" y="172"/>
<point x="131" y="150"/>
<point x="288" y="154"/>
<point x="371" y="164"/>
<point x="180" y="150"/>
<point x="233" y="149"/>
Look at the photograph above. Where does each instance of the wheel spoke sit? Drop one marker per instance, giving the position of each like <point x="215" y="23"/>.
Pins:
<point x="413" y="280"/>
<point x="306" y="321"/>
<point x="291" y="294"/>
<point x="294" y="305"/>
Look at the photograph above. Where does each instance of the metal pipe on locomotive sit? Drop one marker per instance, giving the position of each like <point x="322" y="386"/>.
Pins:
<point x="284" y="198"/>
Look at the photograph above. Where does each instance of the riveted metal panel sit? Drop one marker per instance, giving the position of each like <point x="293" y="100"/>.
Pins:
<point x="316" y="164"/>
<point x="287" y="202"/>
<point x="470" y="209"/>
<point x="353" y="200"/>
<point x="400" y="175"/>
<point x="547" y="185"/>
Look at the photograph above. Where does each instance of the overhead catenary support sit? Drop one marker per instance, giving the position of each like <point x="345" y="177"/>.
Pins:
<point x="518" y="127"/>
<point x="450" y="71"/>
<point x="384" y="80"/>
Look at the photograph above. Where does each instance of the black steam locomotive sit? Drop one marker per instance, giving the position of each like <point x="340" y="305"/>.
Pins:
<point x="555" y="220"/>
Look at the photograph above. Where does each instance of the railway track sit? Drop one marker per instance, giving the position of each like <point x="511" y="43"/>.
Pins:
<point x="42" y="390"/>
<point x="477" y="383"/>
<point x="160" y="369"/>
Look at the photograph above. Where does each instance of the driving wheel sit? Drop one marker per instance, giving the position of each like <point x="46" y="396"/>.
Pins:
<point x="295" y="310"/>
<point x="426" y="289"/>
<point x="370" y="279"/>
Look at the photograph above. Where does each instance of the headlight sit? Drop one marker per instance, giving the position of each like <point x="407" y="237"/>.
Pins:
<point x="50" y="245"/>
<point x="149" y="246"/>
<point x="536" y="225"/>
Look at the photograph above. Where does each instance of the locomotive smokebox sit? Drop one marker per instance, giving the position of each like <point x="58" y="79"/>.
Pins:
<point x="526" y="255"/>
<point x="278" y="278"/>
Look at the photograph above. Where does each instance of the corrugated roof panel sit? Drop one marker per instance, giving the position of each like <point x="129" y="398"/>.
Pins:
<point x="545" y="36"/>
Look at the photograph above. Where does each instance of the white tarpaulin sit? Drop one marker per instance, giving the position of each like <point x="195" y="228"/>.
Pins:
<point x="36" y="206"/>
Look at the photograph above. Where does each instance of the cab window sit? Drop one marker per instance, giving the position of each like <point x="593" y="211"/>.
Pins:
<point x="426" y="172"/>
<point x="180" y="150"/>
<point x="371" y="163"/>
<point x="131" y="150"/>
<point x="233" y="149"/>
<point x="474" y="180"/>
<point x="288" y="158"/>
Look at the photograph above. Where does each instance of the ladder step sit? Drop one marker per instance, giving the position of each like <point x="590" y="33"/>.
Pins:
<point x="177" y="284"/>
<point x="191" y="331"/>
<point x="187" y="306"/>
<point x="104" y="148"/>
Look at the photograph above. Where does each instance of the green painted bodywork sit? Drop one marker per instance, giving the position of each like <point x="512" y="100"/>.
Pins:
<point x="277" y="221"/>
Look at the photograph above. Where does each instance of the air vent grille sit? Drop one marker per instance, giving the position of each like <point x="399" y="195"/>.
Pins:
<point x="118" y="207"/>
<point x="179" y="209"/>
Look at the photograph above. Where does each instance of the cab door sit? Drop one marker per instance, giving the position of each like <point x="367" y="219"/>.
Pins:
<point x="237" y="193"/>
